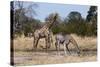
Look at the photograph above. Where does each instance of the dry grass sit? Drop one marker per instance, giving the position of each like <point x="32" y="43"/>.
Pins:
<point x="86" y="42"/>
<point x="24" y="56"/>
<point x="27" y="43"/>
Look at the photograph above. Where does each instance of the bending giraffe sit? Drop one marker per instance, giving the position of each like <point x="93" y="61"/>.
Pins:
<point x="65" y="40"/>
<point x="44" y="32"/>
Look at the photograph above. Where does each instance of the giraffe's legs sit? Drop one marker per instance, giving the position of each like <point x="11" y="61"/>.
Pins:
<point x="47" y="43"/>
<point x="51" y="38"/>
<point x="35" y="42"/>
<point x="47" y="39"/>
<point x="68" y="48"/>
<point x="58" y="47"/>
<point x="65" y="48"/>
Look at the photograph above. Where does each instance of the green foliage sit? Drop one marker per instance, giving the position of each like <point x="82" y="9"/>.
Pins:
<point x="22" y="20"/>
<point x="92" y="14"/>
<point x="74" y="16"/>
<point x="78" y="26"/>
<point x="73" y="23"/>
<point x="92" y="20"/>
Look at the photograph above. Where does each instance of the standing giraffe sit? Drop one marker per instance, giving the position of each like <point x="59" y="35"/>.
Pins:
<point x="44" y="32"/>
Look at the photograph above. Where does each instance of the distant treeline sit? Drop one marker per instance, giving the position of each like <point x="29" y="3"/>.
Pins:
<point x="24" y="23"/>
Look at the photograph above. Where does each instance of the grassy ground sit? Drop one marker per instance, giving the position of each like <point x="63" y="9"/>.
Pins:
<point x="23" y="55"/>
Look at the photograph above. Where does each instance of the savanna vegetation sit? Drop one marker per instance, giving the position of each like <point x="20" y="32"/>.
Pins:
<point x="25" y="23"/>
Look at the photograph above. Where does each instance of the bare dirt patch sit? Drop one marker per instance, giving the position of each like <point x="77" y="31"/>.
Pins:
<point x="23" y="54"/>
<point x="35" y="58"/>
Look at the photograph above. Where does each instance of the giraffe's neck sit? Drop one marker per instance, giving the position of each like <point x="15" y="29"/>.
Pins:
<point x="49" y="25"/>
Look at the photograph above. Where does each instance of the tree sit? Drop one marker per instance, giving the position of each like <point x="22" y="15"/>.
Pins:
<point x="92" y="19"/>
<point x="92" y="14"/>
<point x="23" y="16"/>
<point x="30" y="26"/>
<point x="74" y="23"/>
<point x="74" y="16"/>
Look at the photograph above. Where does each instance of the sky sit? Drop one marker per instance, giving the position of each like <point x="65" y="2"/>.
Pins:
<point x="44" y="9"/>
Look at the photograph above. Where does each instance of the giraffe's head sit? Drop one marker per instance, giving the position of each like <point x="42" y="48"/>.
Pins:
<point x="55" y="16"/>
<point x="51" y="17"/>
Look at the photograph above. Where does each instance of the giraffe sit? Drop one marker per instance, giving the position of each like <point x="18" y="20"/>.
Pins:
<point x="44" y="32"/>
<point x="65" y="40"/>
